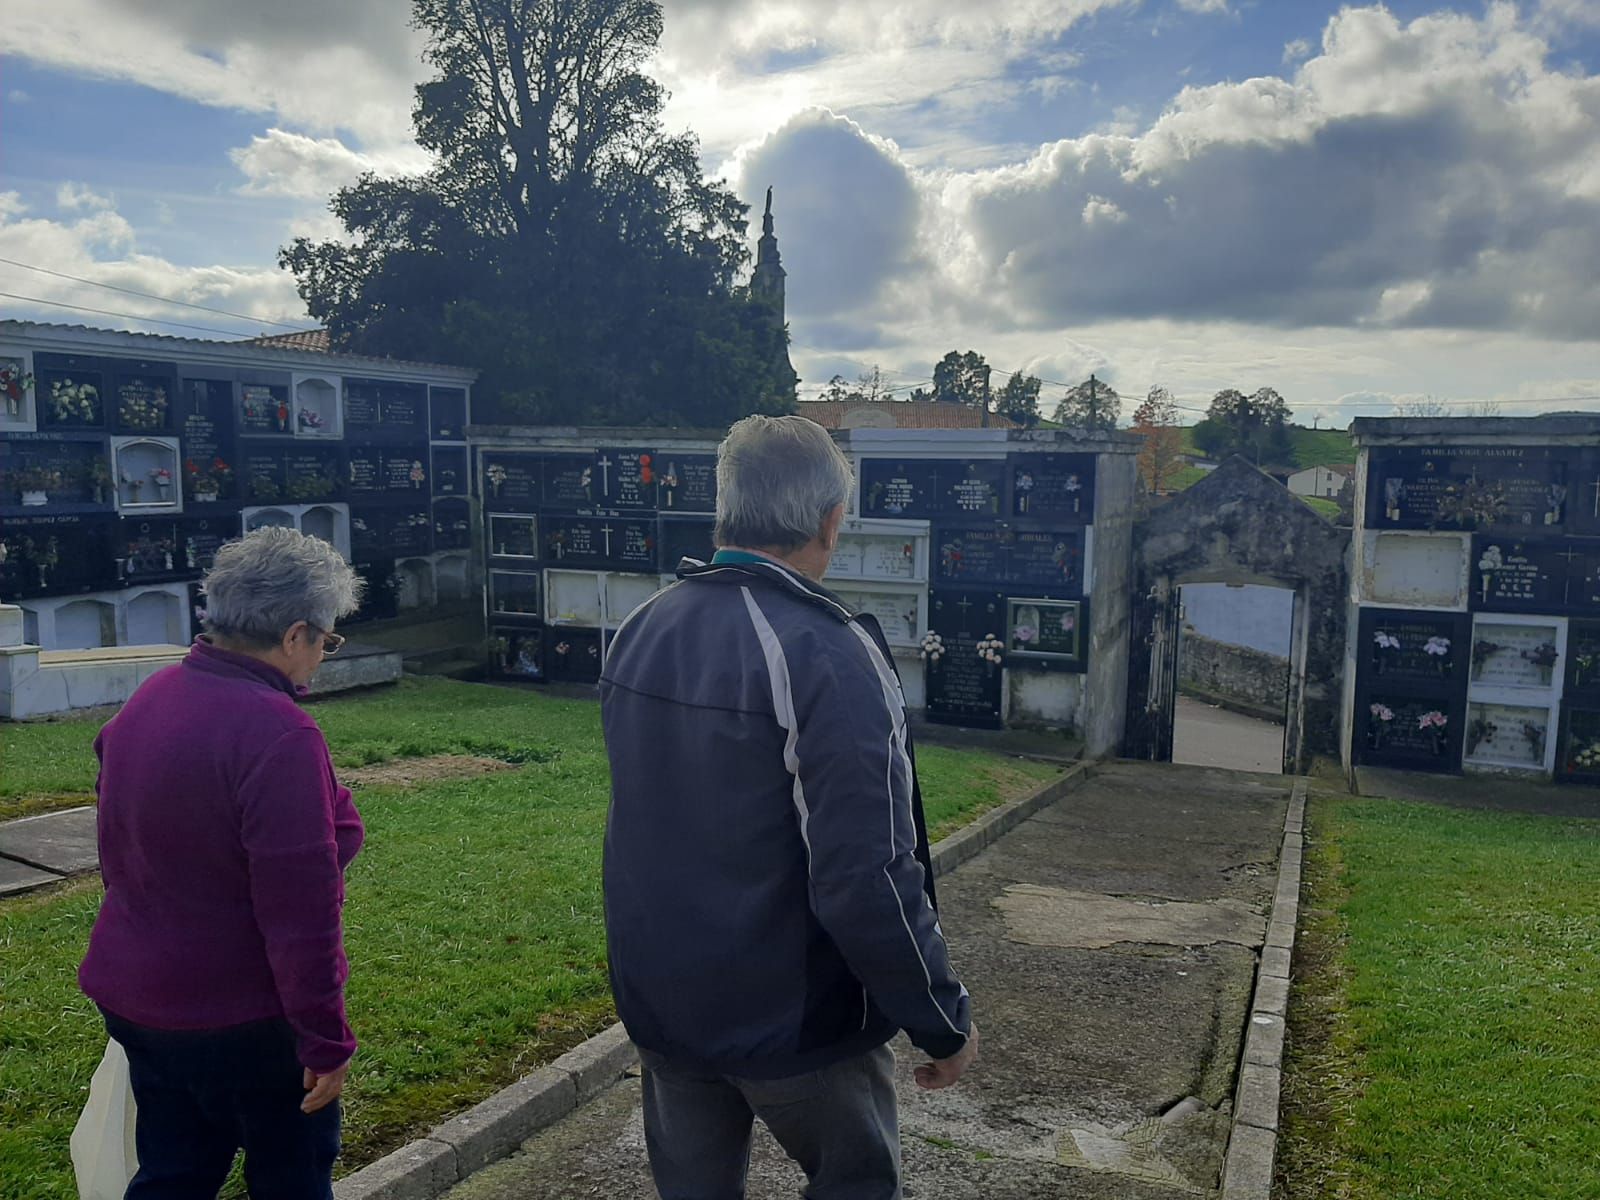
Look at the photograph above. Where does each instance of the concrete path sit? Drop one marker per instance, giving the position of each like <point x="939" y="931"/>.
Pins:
<point x="1206" y="736"/>
<point x="1110" y="944"/>
<point x="35" y="851"/>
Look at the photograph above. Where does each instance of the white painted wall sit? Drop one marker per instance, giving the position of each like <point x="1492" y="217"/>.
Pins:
<point x="1253" y="616"/>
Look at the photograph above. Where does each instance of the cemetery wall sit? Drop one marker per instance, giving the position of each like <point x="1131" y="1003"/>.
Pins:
<point x="127" y="459"/>
<point x="1477" y="643"/>
<point x="976" y="550"/>
<point x="1239" y="676"/>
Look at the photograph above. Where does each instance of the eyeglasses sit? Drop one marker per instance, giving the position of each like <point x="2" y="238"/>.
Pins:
<point x="330" y="641"/>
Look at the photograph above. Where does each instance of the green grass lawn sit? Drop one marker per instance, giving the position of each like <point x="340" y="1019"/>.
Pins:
<point x="1444" y="1023"/>
<point x="473" y="920"/>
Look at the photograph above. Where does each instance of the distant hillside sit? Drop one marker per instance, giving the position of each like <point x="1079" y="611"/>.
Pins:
<point x="1311" y="447"/>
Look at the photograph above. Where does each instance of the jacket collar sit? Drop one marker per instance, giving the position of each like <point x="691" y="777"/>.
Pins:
<point x="744" y="568"/>
<point x="214" y="660"/>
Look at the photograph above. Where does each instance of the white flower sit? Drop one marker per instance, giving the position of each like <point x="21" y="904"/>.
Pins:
<point x="1492" y="559"/>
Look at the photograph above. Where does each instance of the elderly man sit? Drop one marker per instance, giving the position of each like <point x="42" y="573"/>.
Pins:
<point x="218" y="956"/>
<point x="769" y="903"/>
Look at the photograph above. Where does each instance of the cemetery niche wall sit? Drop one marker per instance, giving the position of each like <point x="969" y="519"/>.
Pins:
<point x="1482" y="615"/>
<point x="975" y="550"/>
<point x="127" y="460"/>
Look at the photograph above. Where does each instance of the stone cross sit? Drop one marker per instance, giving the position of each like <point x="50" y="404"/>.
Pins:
<point x="607" y="530"/>
<point x="963" y="604"/>
<point x="605" y="465"/>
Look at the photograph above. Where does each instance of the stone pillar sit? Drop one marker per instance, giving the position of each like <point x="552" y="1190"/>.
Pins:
<point x="19" y="662"/>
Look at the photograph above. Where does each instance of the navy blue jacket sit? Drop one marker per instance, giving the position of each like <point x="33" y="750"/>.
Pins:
<point x="769" y="907"/>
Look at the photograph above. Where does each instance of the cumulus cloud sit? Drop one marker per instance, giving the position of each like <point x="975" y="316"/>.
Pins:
<point x="280" y="163"/>
<point x="94" y="242"/>
<point x="315" y="65"/>
<point x="76" y="196"/>
<point x="1439" y="173"/>
<point x="848" y="207"/>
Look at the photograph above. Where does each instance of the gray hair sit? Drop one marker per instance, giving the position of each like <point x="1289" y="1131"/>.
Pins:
<point x="263" y="583"/>
<point x="777" y="477"/>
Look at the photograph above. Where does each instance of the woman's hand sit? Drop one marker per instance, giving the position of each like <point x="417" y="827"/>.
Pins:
<point x="323" y="1090"/>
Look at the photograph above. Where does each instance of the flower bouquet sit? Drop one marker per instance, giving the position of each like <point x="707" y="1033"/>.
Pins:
<point x="77" y="404"/>
<point x="14" y="386"/>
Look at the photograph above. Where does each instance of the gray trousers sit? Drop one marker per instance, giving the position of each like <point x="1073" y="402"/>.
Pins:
<point x="839" y="1124"/>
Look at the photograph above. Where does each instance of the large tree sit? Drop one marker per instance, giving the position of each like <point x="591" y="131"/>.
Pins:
<point x="562" y="241"/>
<point x="962" y="378"/>
<point x="1018" y="399"/>
<point x="1091" y="405"/>
<point x="1156" y="421"/>
<point x="1256" y="426"/>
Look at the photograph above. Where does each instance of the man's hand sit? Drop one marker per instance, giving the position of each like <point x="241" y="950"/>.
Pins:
<point x="322" y="1090"/>
<point x="942" y="1072"/>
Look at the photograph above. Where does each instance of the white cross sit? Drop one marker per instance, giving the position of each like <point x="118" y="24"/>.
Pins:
<point x="606" y="529"/>
<point x="963" y="604"/>
<point x="605" y="465"/>
<point x="1596" y="486"/>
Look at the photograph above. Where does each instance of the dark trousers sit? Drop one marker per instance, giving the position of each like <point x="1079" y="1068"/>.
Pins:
<point x="204" y="1095"/>
<point x="838" y="1123"/>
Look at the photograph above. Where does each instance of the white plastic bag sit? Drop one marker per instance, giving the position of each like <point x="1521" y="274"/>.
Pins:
<point x="103" y="1153"/>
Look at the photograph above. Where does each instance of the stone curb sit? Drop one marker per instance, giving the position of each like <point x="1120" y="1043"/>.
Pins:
<point x="449" y="1153"/>
<point x="1253" y="1140"/>
<point x="969" y="842"/>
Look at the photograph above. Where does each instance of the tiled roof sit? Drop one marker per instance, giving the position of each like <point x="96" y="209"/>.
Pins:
<point x="898" y="414"/>
<point x="307" y="341"/>
<point x="315" y="340"/>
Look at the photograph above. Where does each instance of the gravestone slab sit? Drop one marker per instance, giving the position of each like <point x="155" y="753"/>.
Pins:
<point x="1408" y="731"/>
<point x="571" y="481"/>
<point x="1521" y="488"/>
<point x="512" y="482"/>
<point x="1422" y="653"/>
<point x="1519" y="576"/>
<point x="517" y="652"/>
<point x="1507" y="734"/>
<point x="627" y="478"/>
<point x="1583" y="662"/>
<point x="893" y="488"/>
<point x="1053" y="485"/>
<point x="264" y="409"/>
<point x="1579" y="760"/>
<point x="1406" y="569"/>
<point x="63" y="842"/>
<point x="450" y="474"/>
<point x="205" y="425"/>
<point x="1507" y="655"/>
<point x="572" y="655"/>
<point x="962" y="688"/>
<point x="899" y="613"/>
<point x="687" y="483"/>
<point x="969" y="555"/>
<point x="512" y="535"/>
<point x="1046" y="559"/>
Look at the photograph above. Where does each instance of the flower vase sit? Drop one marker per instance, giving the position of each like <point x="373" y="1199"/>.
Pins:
<point x="168" y="560"/>
<point x="204" y="496"/>
<point x="43" y="583"/>
<point x="99" y="494"/>
<point x="34" y="499"/>
<point x="1545" y="675"/>
<point x="13" y="406"/>
<point x="1438" y="745"/>
<point x="161" y="489"/>
<point x="1488" y="577"/>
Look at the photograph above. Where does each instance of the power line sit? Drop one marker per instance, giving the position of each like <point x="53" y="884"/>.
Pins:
<point x="105" y="312"/>
<point x="221" y="312"/>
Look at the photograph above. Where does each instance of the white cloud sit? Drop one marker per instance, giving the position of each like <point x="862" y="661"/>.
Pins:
<point x="18" y="96"/>
<point x="94" y="242"/>
<point x="849" y="210"/>
<point x="1294" y="51"/>
<point x="280" y="163"/>
<point x="76" y="196"/>
<point x="1284" y="201"/>
<point x="1204" y="6"/>
<point x="314" y="65"/>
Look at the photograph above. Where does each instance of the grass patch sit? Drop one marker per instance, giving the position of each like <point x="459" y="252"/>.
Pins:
<point x="473" y="921"/>
<point x="1446" y="1007"/>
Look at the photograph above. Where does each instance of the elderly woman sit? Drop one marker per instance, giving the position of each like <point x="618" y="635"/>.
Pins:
<point x="218" y="957"/>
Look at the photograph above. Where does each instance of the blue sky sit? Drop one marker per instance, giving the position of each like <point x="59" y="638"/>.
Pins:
<point x="1356" y="205"/>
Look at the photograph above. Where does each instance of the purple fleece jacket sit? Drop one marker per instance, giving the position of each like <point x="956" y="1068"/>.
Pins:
<point x="223" y="843"/>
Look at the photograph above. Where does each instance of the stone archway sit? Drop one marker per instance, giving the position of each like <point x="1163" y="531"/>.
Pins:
<point x="1239" y="525"/>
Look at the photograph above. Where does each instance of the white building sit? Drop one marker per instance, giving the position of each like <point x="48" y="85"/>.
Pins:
<point x="1324" y="482"/>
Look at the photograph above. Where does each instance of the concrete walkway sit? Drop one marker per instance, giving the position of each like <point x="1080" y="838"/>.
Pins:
<point x="37" y="851"/>
<point x="1110" y="944"/>
<point x="1207" y="736"/>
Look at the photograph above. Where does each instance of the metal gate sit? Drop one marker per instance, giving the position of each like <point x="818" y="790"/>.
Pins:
<point x="1153" y="674"/>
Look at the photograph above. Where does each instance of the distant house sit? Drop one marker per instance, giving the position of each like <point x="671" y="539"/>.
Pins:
<point x="1325" y="482"/>
<point x="899" y="414"/>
